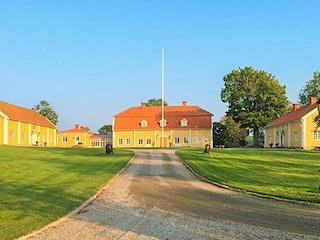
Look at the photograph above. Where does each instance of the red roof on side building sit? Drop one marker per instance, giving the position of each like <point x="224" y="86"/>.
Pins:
<point x="132" y="117"/>
<point x="26" y="115"/>
<point x="76" y="129"/>
<point x="294" y="115"/>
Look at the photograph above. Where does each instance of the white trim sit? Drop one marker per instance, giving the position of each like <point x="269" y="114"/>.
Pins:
<point x="5" y="127"/>
<point x="303" y="130"/>
<point x="19" y="132"/>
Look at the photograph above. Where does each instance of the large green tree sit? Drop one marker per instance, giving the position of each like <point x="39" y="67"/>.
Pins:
<point x="254" y="98"/>
<point x="47" y="111"/>
<point x="234" y="135"/>
<point x="105" y="129"/>
<point x="155" y="102"/>
<point x="311" y="89"/>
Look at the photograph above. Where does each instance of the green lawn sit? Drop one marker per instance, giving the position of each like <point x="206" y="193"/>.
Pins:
<point x="291" y="174"/>
<point x="39" y="185"/>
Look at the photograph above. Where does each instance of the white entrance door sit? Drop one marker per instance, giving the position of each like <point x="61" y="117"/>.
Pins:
<point x="34" y="138"/>
<point x="77" y="140"/>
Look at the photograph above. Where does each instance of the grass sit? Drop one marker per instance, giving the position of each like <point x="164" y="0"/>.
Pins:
<point x="39" y="185"/>
<point x="290" y="174"/>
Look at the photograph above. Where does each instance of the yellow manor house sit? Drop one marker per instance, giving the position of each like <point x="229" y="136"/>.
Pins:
<point x="183" y="126"/>
<point x="23" y="126"/>
<point x="295" y="129"/>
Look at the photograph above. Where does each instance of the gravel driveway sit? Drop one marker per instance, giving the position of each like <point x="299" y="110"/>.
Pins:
<point x="156" y="197"/>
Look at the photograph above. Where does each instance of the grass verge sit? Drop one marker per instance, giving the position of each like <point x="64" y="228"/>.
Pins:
<point x="40" y="185"/>
<point x="290" y="174"/>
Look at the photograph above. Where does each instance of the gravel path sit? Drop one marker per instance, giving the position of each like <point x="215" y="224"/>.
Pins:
<point x="155" y="197"/>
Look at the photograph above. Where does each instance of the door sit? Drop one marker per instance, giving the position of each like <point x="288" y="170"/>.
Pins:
<point x="165" y="142"/>
<point x="76" y="140"/>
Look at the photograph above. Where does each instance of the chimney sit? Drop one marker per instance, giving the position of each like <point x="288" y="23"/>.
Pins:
<point x="81" y="128"/>
<point x="313" y="100"/>
<point x="184" y="103"/>
<point x="143" y="104"/>
<point x="296" y="106"/>
<point x="76" y="126"/>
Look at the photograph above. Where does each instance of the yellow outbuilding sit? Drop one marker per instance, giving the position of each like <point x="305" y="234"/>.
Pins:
<point x="24" y="126"/>
<point x="295" y="129"/>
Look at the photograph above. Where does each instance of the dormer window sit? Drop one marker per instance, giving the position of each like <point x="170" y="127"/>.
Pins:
<point x="144" y="123"/>
<point x="184" y="123"/>
<point x="163" y="123"/>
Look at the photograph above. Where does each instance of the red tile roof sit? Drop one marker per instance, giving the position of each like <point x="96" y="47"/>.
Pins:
<point x="22" y="114"/>
<point x="131" y="118"/>
<point x="76" y="129"/>
<point x="293" y="115"/>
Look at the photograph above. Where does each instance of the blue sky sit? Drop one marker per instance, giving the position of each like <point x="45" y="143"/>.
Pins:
<point x="93" y="59"/>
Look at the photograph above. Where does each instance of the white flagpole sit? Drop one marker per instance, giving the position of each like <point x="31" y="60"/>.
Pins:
<point x="162" y="97"/>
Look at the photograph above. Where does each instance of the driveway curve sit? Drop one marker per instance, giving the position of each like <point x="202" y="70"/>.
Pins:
<point x="156" y="197"/>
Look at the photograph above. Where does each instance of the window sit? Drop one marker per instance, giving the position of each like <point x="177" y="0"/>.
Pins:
<point x="186" y="140"/>
<point x="296" y="136"/>
<point x="144" y="123"/>
<point x="140" y="141"/>
<point x="316" y="135"/>
<point x="64" y="139"/>
<point x="128" y="141"/>
<point x="177" y="140"/>
<point x="120" y="141"/>
<point x="184" y="123"/>
<point x="148" y="141"/>
<point x="11" y="134"/>
<point x="204" y="139"/>
<point x="163" y="123"/>
<point x="195" y="140"/>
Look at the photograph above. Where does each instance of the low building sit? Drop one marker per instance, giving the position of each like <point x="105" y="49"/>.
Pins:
<point x="100" y="140"/>
<point x="24" y="126"/>
<point x="295" y="129"/>
<point x="78" y="136"/>
<point x="181" y="126"/>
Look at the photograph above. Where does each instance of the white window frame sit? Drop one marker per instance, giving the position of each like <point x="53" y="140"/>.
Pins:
<point x="184" y="123"/>
<point x="316" y="135"/>
<point x="120" y="141"/>
<point x="195" y="139"/>
<point x="163" y="123"/>
<point x="140" y="141"/>
<point x="296" y="136"/>
<point x="144" y="123"/>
